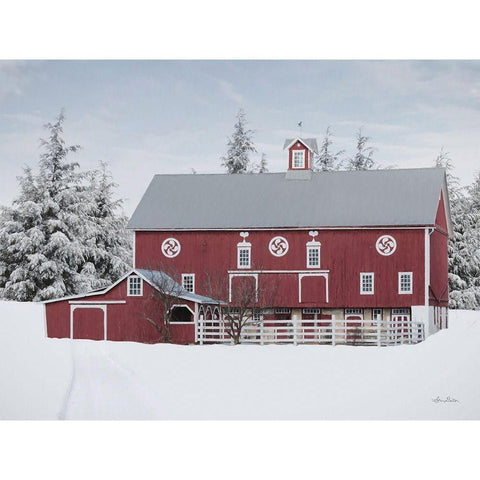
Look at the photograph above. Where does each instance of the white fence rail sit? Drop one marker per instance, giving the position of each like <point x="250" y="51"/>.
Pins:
<point x="319" y="332"/>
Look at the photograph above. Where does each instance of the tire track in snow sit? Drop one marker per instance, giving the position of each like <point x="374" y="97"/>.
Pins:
<point x="68" y="393"/>
<point x="102" y="389"/>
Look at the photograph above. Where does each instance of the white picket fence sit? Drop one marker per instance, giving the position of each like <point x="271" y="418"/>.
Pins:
<point x="320" y="332"/>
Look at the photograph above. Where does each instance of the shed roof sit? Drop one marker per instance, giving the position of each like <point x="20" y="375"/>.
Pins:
<point x="407" y="197"/>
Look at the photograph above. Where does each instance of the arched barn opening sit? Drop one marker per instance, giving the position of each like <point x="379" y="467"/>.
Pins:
<point x="88" y="323"/>
<point x="181" y="313"/>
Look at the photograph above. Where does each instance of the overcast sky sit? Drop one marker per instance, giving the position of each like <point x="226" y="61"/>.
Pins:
<point x="147" y="117"/>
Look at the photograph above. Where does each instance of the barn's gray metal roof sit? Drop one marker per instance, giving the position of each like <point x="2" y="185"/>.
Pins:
<point x="269" y="200"/>
<point x="311" y="143"/>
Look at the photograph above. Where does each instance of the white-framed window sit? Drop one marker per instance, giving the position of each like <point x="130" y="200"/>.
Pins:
<point x="243" y="256"/>
<point x="405" y="282"/>
<point x="367" y="283"/>
<point x="313" y="256"/>
<point x="282" y="310"/>
<point x="298" y="158"/>
<point x="311" y="311"/>
<point x="377" y="314"/>
<point x="188" y="282"/>
<point x="135" y="286"/>
<point x="353" y="311"/>
<point x="400" y="311"/>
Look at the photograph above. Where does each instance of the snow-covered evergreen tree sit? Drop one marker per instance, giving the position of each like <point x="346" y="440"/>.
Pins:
<point x="363" y="158"/>
<point x="326" y="160"/>
<point x="261" y="166"/>
<point x="46" y="246"/>
<point x="108" y="251"/>
<point x="240" y="145"/>
<point x="463" y="247"/>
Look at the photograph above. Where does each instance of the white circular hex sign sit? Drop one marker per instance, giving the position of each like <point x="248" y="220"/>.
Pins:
<point x="278" y="246"/>
<point x="386" y="245"/>
<point x="171" y="247"/>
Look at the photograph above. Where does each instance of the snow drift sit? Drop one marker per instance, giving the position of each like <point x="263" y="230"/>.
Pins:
<point x="43" y="378"/>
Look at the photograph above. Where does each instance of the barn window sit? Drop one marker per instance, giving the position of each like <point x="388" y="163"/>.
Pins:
<point x="367" y="285"/>
<point x="405" y="282"/>
<point x="313" y="256"/>
<point x="298" y="159"/>
<point x="135" y="286"/>
<point x="377" y="314"/>
<point x="188" y="282"/>
<point x="244" y="254"/>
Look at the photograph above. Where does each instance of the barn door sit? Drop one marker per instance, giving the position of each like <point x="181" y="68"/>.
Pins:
<point x="353" y="323"/>
<point x="88" y="322"/>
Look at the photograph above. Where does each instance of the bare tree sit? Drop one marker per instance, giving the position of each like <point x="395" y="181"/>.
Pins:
<point x="242" y="301"/>
<point x="158" y="308"/>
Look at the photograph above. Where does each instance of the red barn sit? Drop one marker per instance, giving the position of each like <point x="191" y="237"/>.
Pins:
<point x="364" y="248"/>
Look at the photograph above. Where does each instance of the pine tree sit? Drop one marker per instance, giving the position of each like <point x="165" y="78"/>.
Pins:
<point x="57" y="237"/>
<point x="463" y="249"/>
<point x="108" y="244"/>
<point x="363" y="158"/>
<point x="41" y="231"/>
<point x="325" y="160"/>
<point x="263" y="164"/>
<point x="239" y="146"/>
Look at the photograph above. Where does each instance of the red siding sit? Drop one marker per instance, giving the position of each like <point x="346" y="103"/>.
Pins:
<point x="298" y="146"/>
<point x="438" y="294"/>
<point x="125" y="321"/>
<point x="88" y="323"/>
<point x="345" y="253"/>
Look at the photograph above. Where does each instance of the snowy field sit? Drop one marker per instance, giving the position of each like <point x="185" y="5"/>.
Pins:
<point x="44" y="378"/>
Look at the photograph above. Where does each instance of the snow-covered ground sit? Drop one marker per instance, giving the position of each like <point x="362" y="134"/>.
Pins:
<point x="44" y="378"/>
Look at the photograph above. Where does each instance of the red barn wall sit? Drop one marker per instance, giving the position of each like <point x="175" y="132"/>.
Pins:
<point x="125" y="321"/>
<point x="299" y="146"/>
<point x="438" y="294"/>
<point x="345" y="253"/>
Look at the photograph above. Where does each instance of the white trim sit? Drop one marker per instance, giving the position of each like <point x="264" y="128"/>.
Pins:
<point x="183" y="305"/>
<point x="94" y="302"/>
<point x="323" y="274"/>
<point x="295" y="141"/>
<point x="247" y="247"/>
<point x="282" y="271"/>
<point x="134" y="246"/>
<point x="302" y="167"/>
<point x="132" y="277"/>
<point x="409" y="292"/>
<point x="428" y="232"/>
<point x="184" y="275"/>
<point x="101" y="307"/>
<point x="288" y="228"/>
<point x="313" y="246"/>
<point x="92" y="294"/>
<point x="362" y="291"/>
<point x="242" y="274"/>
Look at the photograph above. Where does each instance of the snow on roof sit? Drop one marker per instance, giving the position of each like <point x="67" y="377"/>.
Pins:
<point x="170" y="286"/>
<point x="310" y="143"/>
<point x="153" y="277"/>
<point x="372" y="198"/>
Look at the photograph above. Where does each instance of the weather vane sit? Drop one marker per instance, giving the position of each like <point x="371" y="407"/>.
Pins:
<point x="299" y="125"/>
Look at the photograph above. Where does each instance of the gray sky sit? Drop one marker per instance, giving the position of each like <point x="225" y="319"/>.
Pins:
<point x="147" y="117"/>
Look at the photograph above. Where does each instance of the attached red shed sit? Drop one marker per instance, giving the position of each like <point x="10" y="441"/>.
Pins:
<point x="120" y="312"/>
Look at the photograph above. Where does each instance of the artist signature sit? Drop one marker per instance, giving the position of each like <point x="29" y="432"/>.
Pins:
<point x="447" y="399"/>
